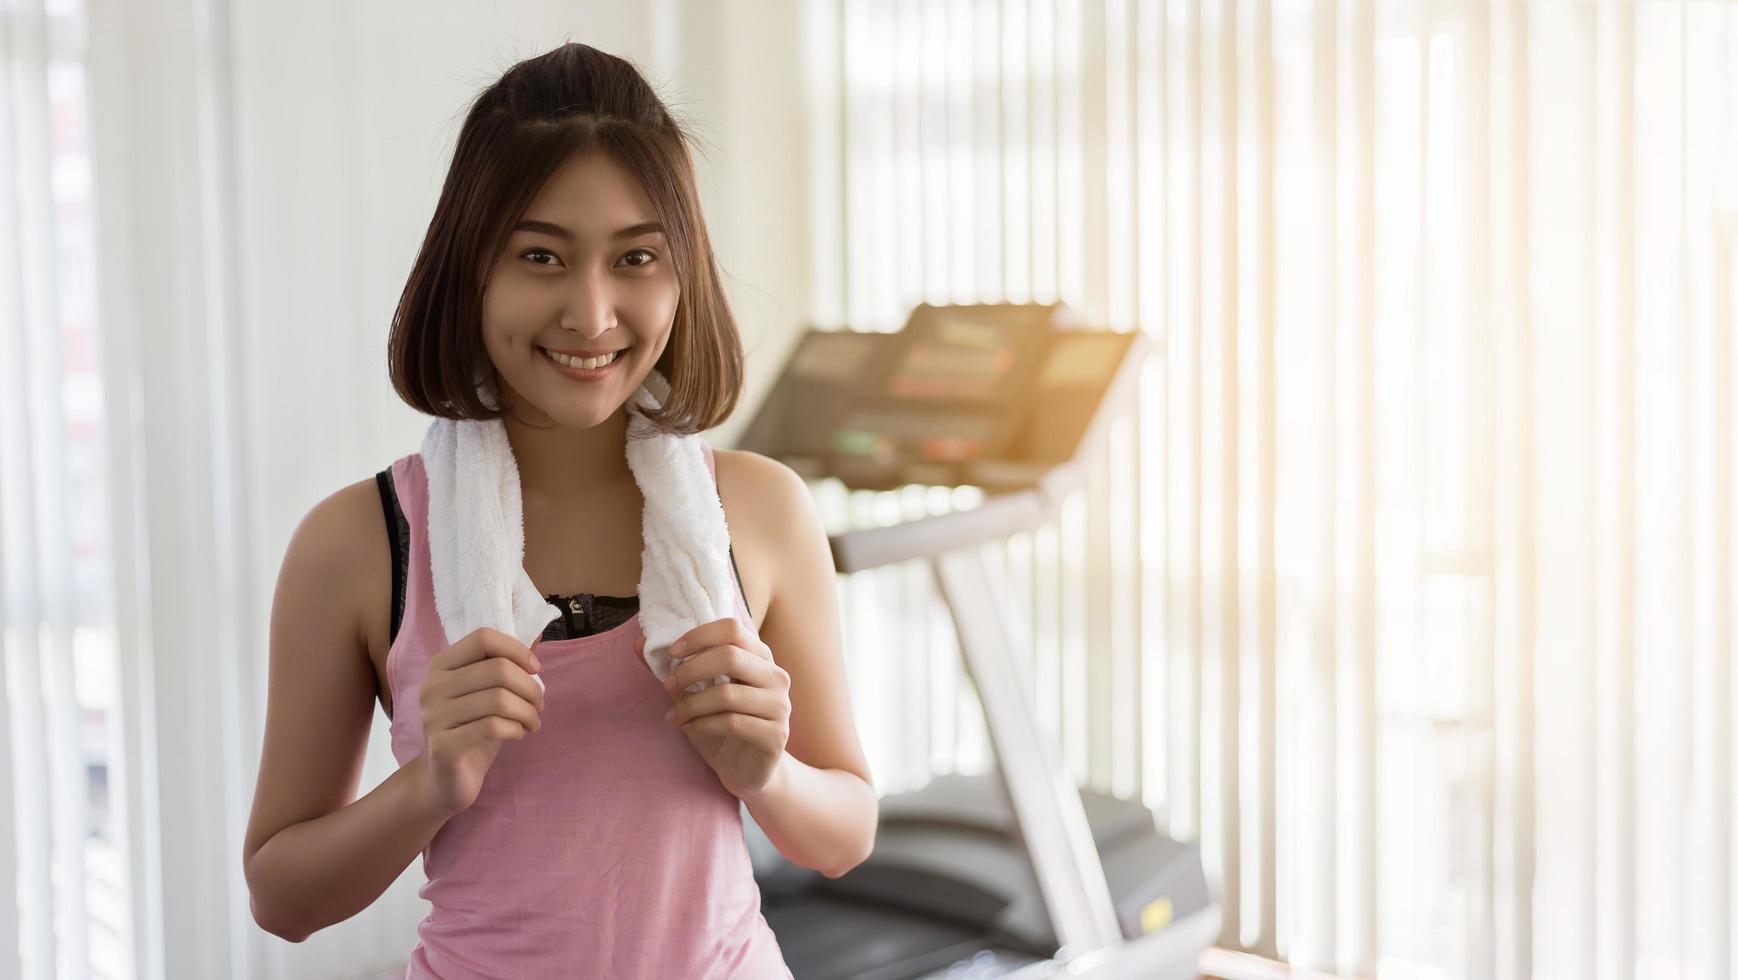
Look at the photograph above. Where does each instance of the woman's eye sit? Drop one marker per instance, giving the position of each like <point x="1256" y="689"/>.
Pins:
<point x="539" y="251"/>
<point x="649" y="257"/>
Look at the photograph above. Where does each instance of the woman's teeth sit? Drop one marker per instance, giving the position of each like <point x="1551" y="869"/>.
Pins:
<point x="589" y="363"/>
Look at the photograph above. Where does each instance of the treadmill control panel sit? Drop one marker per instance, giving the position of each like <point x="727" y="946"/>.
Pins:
<point x="991" y="396"/>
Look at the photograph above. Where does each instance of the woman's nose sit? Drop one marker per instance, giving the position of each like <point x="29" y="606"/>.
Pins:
<point x="590" y="305"/>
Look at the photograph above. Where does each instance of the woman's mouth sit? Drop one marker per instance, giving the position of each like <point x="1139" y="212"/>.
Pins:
<point x="583" y="368"/>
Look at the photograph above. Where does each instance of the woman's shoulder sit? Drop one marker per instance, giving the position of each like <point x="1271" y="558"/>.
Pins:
<point x="331" y="530"/>
<point x="343" y="541"/>
<point x="773" y="522"/>
<point x="761" y="486"/>
<point x="360" y="512"/>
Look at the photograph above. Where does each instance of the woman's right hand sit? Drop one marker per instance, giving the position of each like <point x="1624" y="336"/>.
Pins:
<point x="478" y="693"/>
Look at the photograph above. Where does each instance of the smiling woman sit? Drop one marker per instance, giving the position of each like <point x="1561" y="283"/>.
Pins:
<point x="594" y="211"/>
<point x="584" y="291"/>
<point x="566" y="826"/>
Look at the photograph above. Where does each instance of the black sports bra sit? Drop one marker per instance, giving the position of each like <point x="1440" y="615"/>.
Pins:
<point x="581" y="615"/>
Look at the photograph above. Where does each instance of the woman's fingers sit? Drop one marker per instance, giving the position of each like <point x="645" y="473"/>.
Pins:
<point x="740" y="699"/>
<point x="494" y="672"/>
<point x="729" y="631"/>
<point x="481" y="644"/>
<point x="758" y="730"/>
<point x="493" y="701"/>
<point x="742" y="666"/>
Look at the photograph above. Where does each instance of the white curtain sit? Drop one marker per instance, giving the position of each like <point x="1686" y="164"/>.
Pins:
<point x="124" y="601"/>
<point x="1408" y="589"/>
<point x="63" y="833"/>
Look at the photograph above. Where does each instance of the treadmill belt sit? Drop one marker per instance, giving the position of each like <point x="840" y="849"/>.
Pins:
<point x="825" y="937"/>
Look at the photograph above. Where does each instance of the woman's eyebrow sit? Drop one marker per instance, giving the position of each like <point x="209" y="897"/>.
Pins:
<point x="558" y="231"/>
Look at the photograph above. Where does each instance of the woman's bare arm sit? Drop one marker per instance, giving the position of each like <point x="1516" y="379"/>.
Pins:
<point x="315" y="854"/>
<point x="820" y="810"/>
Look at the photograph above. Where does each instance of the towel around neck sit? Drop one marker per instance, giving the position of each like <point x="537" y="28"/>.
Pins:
<point x="477" y="531"/>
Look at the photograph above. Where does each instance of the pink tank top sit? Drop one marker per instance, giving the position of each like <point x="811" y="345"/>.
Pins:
<point x="600" y="846"/>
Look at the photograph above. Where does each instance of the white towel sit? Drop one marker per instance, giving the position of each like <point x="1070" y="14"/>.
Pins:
<point x="476" y="532"/>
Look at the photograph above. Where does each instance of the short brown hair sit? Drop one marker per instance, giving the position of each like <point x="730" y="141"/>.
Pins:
<point x="542" y="112"/>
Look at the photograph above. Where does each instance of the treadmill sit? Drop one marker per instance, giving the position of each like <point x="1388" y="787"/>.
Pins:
<point x="1017" y="873"/>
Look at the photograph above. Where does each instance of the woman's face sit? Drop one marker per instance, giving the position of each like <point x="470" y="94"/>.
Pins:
<point x="588" y="274"/>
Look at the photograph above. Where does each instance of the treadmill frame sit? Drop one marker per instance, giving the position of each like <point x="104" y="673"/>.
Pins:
<point x="1040" y="788"/>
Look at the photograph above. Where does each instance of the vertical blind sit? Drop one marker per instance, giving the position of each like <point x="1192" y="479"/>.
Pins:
<point x="66" y="905"/>
<point x="1407" y="588"/>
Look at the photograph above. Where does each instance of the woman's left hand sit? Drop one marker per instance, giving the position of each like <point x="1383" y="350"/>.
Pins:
<point x="739" y="728"/>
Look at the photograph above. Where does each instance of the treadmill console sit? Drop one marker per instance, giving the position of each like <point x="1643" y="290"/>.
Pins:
<point x="991" y="396"/>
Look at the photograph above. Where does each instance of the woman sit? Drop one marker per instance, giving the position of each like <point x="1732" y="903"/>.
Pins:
<point x="567" y="258"/>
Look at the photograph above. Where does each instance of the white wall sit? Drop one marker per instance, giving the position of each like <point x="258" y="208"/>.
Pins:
<point x="268" y="170"/>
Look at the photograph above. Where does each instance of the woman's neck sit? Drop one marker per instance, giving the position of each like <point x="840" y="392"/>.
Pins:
<point x="560" y="462"/>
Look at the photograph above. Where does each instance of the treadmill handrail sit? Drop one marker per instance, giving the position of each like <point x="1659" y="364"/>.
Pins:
<point x="997" y="517"/>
